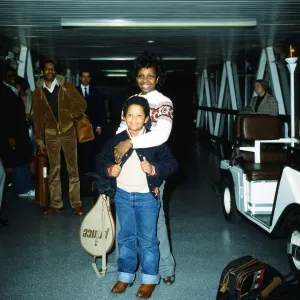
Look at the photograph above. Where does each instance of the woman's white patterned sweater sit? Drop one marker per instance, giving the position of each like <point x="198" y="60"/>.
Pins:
<point x="161" y="115"/>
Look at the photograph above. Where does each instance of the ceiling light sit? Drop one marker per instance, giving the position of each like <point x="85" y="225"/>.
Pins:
<point x="150" y="42"/>
<point x="27" y="36"/>
<point x="112" y="58"/>
<point x="116" y="75"/>
<point x="180" y="58"/>
<point x="142" y="23"/>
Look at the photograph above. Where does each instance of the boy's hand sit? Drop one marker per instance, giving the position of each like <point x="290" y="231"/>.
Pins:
<point x="115" y="170"/>
<point x="146" y="166"/>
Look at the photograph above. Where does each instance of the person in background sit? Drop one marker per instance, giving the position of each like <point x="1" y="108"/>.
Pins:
<point x="15" y="145"/>
<point x="96" y="113"/>
<point x="26" y="95"/>
<point x="149" y="74"/>
<point x="137" y="179"/>
<point x="263" y="103"/>
<point x="55" y="104"/>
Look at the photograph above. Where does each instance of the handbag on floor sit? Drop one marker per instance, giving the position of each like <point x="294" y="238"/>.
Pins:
<point x="97" y="232"/>
<point x="41" y="187"/>
<point x="249" y="278"/>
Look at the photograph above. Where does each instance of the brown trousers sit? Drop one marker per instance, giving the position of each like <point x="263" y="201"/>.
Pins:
<point x="68" y="142"/>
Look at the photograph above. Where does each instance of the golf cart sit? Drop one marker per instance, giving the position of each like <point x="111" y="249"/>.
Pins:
<point x="262" y="184"/>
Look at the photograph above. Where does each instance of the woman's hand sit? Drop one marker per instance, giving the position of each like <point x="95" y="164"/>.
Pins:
<point x="121" y="149"/>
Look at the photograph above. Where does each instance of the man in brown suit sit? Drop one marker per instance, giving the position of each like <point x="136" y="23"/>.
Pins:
<point x="55" y="104"/>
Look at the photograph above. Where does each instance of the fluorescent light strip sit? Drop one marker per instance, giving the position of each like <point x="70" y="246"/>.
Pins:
<point x="28" y="36"/>
<point x="132" y="58"/>
<point x="112" y="58"/>
<point x="116" y="75"/>
<point x="183" y="58"/>
<point x="238" y="23"/>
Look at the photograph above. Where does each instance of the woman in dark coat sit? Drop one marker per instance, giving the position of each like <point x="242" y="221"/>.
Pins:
<point x="15" y="145"/>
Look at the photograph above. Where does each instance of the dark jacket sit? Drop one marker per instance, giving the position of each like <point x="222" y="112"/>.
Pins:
<point x="70" y="105"/>
<point x="160" y="156"/>
<point x="95" y="106"/>
<point x="13" y="125"/>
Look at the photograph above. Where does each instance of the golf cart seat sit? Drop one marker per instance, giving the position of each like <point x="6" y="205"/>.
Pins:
<point x="250" y="128"/>
<point x="262" y="171"/>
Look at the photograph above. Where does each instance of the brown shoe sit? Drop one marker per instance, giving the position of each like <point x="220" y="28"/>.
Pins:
<point x="78" y="211"/>
<point x="120" y="287"/>
<point x="145" y="291"/>
<point x="52" y="210"/>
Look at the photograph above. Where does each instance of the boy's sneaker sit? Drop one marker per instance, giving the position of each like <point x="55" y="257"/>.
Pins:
<point x="31" y="193"/>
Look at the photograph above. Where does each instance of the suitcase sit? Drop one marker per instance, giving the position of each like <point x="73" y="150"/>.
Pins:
<point x="247" y="278"/>
<point x="41" y="188"/>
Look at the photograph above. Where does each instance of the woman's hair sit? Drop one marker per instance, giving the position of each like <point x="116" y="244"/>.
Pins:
<point x="262" y="83"/>
<point x="149" y="60"/>
<point x="137" y="100"/>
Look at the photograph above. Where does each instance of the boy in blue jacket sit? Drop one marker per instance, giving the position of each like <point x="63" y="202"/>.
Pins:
<point x="136" y="180"/>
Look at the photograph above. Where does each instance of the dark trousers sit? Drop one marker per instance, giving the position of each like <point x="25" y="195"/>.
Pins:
<point x="22" y="179"/>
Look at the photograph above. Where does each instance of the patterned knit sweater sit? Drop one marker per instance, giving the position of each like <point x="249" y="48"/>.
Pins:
<point x="161" y="115"/>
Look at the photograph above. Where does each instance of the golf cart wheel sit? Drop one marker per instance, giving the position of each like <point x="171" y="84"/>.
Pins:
<point x="294" y="242"/>
<point x="228" y="202"/>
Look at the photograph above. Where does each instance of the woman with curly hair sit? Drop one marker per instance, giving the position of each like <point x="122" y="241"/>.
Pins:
<point x="149" y="75"/>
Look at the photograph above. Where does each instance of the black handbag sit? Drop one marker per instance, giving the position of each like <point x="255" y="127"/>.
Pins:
<point x="249" y="278"/>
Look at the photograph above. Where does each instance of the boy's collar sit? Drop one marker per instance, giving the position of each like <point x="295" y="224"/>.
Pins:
<point x="142" y="131"/>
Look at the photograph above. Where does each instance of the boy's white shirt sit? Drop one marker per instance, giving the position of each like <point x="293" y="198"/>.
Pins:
<point x="161" y="120"/>
<point x="138" y="182"/>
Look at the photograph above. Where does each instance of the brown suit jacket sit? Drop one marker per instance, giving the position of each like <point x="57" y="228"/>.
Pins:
<point x="70" y="105"/>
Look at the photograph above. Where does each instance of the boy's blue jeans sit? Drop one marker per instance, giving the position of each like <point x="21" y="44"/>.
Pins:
<point x="137" y="214"/>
